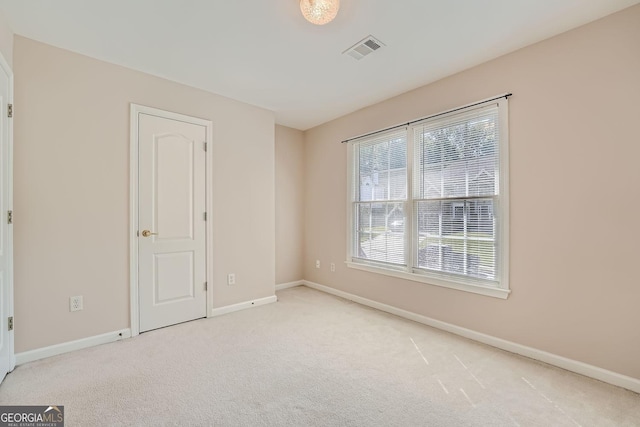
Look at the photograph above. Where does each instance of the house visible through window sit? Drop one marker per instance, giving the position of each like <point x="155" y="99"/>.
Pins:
<point x="429" y="201"/>
<point x="379" y="207"/>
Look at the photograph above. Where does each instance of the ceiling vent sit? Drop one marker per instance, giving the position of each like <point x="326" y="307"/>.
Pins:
<point x="364" y="47"/>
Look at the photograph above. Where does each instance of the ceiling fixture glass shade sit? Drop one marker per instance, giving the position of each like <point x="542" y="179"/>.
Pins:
<point x="319" y="12"/>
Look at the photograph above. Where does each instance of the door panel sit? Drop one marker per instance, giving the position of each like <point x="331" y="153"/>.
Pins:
<point x="171" y="260"/>
<point x="173" y="277"/>
<point x="174" y="187"/>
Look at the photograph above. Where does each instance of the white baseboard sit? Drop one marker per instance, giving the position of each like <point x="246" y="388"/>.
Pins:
<point x="66" y="347"/>
<point x="585" y="369"/>
<point x="288" y="285"/>
<point x="54" y="350"/>
<point x="242" y="306"/>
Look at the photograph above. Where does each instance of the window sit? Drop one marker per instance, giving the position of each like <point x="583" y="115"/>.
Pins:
<point x="429" y="202"/>
<point x="380" y="199"/>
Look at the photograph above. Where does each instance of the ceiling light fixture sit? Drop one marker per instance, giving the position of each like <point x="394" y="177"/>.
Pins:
<point x="319" y="12"/>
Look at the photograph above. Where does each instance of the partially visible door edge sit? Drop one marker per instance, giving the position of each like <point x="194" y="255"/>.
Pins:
<point x="9" y="189"/>
<point x="136" y="110"/>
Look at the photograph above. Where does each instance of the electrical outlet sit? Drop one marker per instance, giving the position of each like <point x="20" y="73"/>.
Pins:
<point x="317" y="263"/>
<point x="75" y="303"/>
<point x="231" y="279"/>
<point x="333" y="267"/>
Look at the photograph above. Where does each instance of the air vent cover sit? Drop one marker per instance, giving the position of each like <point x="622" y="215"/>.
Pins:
<point x="364" y="47"/>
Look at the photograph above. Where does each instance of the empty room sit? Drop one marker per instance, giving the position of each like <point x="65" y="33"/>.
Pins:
<point x="319" y="213"/>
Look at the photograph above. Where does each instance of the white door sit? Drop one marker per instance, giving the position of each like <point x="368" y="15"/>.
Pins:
<point x="171" y="221"/>
<point x="6" y="245"/>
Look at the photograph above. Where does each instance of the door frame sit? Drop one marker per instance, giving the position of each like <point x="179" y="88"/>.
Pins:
<point x="8" y="188"/>
<point x="136" y="110"/>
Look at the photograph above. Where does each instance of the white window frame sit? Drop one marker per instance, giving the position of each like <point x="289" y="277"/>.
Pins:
<point x="498" y="288"/>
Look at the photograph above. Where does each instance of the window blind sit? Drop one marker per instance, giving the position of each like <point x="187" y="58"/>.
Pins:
<point x="379" y="198"/>
<point x="456" y="190"/>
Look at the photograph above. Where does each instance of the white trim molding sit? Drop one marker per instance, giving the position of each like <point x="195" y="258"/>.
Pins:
<point x="66" y="347"/>
<point x="459" y="285"/>
<point x="582" y="368"/>
<point x="288" y="285"/>
<point x="242" y="306"/>
<point x="7" y="189"/>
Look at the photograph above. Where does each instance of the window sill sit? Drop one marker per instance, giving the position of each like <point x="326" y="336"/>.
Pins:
<point x="458" y="285"/>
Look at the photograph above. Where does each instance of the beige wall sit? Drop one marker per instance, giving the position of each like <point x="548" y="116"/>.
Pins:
<point x="289" y="154"/>
<point x="72" y="191"/>
<point x="574" y="196"/>
<point x="6" y="41"/>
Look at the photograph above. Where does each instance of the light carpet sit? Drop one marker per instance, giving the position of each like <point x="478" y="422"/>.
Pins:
<point x="312" y="359"/>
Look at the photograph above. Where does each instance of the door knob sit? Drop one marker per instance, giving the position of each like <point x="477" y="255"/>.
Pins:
<point x="147" y="233"/>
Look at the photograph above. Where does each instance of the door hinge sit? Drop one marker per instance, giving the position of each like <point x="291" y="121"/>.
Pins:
<point x="9" y="110"/>
<point x="206" y="287"/>
<point x="9" y="217"/>
<point x="205" y="216"/>
<point x="10" y="323"/>
<point x="205" y="146"/>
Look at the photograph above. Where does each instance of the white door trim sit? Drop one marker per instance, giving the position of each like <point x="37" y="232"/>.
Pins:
<point x="8" y="187"/>
<point x="133" y="205"/>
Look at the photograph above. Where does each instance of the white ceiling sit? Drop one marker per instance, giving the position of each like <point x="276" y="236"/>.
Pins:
<point x="264" y="53"/>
